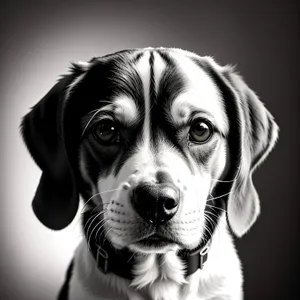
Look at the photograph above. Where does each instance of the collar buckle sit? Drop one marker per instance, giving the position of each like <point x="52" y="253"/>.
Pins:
<point x="203" y="255"/>
<point x="102" y="259"/>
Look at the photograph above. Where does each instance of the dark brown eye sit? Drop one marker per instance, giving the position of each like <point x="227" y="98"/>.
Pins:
<point x="107" y="131"/>
<point x="200" y="131"/>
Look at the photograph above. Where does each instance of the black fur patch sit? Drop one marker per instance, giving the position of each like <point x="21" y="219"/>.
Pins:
<point x="106" y="79"/>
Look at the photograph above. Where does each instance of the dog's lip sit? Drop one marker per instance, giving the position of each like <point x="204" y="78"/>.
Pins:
<point x="156" y="238"/>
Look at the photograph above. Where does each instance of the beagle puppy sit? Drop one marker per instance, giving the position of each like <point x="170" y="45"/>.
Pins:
<point x="161" y="145"/>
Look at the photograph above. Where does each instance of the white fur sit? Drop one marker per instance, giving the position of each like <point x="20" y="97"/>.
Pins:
<point x="143" y="70"/>
<point x="125" y="110"/>
<point x="158" y="68"/>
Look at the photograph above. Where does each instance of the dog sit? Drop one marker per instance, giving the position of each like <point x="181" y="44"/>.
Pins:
<point x="161" y="145"/>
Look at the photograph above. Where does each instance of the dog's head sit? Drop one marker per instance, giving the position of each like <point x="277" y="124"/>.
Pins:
<point x="157" y="141"/>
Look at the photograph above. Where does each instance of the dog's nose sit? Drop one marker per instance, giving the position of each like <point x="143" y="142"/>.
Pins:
<point x="156" y="203"/>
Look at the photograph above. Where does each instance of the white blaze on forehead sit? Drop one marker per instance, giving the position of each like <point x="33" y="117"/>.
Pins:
<point x="143" y="69"/>
<point x="125" y="109"/>
<point x="201" y="94"/>
<point x="158" y="68"/>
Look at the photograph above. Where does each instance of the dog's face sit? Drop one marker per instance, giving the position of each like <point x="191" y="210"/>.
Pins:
<point x="166" y="148"/>
<point x="159" y="142"/>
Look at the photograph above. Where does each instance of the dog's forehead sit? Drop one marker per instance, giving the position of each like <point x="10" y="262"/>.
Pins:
<point x="158" y="84"/>
<point x="198" y="92"/>
<point x="200" y="95"/>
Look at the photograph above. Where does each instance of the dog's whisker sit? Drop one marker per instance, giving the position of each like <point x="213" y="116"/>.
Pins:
<point x="105" y="235"/>
<point x="108" y="191"/>
<point x="211" y="213"/>
<point x="87" y="202"/>
<point x="225" y="181"/>
<point x="90" y="236"/>
<point x="98" y="230"/>
<point x="213" y="206"/>
<point x="93" y="217"/>
<point x="131" y="257"/>
<point x="102" y="211"/>
<point x="218" y="197"/>
<point x="210" y="220"/>
<point x="87" y="232"/>
<point x="214" y="223"/>
<point x="100" y="205"/>
<point x="103" y="231"/>
<point x="98" y="224"/>
<point x="82" y="214"/>
<point x="206" y="228"/>
<point x="98" y="194"/>
<point x="89" y="219"/>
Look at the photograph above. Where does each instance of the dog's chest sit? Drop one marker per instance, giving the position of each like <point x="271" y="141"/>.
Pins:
<point x="88" y="283"/>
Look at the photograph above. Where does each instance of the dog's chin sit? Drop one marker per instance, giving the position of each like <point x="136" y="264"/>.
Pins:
<point x="159" y="246"/>
<point x="147" y="248"/>
<point x="153" y="244"/>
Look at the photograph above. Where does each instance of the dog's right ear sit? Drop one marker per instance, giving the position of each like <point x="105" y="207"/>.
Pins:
<point x="56" y="199"/>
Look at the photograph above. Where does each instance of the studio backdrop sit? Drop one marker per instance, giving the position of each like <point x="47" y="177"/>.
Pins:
<point x="39" y="39"/>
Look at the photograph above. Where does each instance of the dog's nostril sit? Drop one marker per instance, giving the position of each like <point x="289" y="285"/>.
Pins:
<point x="170" y="197"/>
<point x="170" y="203"/>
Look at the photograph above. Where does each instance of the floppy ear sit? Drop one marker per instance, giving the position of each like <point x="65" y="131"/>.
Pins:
<point x="252" y="135"/>
<point x="258" y="134"/>
<point x="56" y="199"/>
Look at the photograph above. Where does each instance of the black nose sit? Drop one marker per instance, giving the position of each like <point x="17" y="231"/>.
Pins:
<point x="156" y="203"/>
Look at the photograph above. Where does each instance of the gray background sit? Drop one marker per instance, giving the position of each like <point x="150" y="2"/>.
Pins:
<point x="39" y="39"/>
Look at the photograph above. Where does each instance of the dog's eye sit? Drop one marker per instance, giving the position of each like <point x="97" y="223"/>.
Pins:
<point x="107" y="131"/>
<point x="200" y="131"/>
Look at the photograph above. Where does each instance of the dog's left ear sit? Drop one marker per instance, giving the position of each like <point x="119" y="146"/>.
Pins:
<point x="257" y="136"/>
<point x="56" y="199"/>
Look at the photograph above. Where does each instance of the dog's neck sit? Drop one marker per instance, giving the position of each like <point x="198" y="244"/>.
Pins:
<point x="155" y="275"/>
<point x="159" y="277"/>
<point x="153" y="280"/>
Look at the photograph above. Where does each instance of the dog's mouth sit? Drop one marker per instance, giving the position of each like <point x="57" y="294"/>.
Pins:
<point x="156" y="241"/>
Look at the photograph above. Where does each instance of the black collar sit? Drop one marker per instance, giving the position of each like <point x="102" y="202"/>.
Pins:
<point x="121" y="262"/>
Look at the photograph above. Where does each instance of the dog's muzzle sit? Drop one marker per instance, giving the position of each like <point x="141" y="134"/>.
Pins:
<point x="156" y="203"/>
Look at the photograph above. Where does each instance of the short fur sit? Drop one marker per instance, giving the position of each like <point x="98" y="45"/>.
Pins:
<point x="153" y="97"/>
